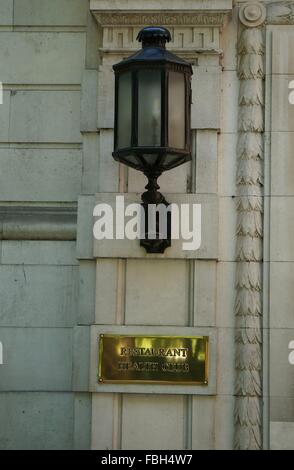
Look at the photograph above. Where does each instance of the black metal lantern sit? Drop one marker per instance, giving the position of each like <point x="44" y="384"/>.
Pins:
<point x="152" y="115"/>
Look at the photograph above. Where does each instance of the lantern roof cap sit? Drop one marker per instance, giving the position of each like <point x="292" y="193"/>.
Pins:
<point x="153" y="50"/>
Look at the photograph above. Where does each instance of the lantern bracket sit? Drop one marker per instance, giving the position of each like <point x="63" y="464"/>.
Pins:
<point x="155" y="242"/>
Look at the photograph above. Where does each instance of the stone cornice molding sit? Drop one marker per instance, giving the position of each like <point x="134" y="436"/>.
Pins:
<point x="38" y="223"/>
<point x="162" y="5"/>
<point x="163" y="12"/>
<point x="163" y="18"/>
<point x="280" y="13"/>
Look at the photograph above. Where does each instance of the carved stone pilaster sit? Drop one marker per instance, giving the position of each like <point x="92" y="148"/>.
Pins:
<point x="249" y="181"/>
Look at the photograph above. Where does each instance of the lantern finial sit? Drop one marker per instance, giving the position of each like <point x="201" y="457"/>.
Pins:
<point x="154" y="36"/>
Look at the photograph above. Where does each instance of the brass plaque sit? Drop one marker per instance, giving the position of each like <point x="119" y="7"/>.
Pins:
<point x="153" y="359"/>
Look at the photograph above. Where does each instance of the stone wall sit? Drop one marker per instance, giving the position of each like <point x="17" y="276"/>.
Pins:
<point x="42" y="59"/>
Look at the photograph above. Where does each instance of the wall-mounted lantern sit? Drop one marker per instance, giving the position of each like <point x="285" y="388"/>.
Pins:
<point x="152" y="117"/>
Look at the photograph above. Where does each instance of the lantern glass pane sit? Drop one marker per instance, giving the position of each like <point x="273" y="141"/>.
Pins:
<point x="176" y="110"/>
<point x="124" y="112"/>
<point x="149" y="108"/>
